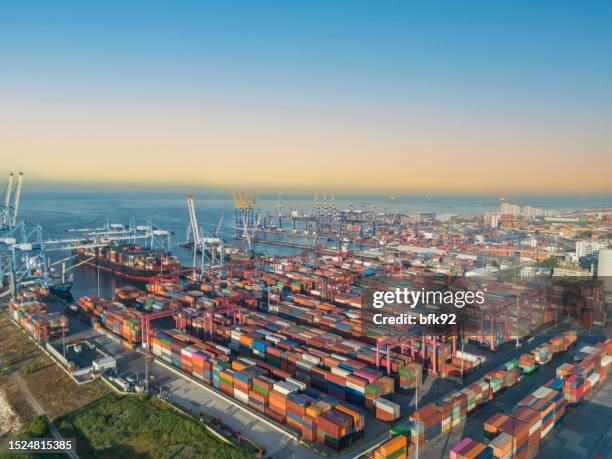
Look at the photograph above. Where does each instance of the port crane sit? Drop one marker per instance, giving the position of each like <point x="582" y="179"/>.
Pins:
<point x="211" y="248"/>
<point x="246" y="220"/>
<point x="24" y="252"/>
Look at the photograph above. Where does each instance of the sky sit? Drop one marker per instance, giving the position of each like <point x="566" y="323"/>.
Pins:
<point x="416" y="97"/>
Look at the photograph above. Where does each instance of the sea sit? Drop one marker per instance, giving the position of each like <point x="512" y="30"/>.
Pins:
<point x="59" y="211"/>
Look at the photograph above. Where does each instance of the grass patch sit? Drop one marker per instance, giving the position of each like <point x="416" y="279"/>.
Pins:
<point x="136" y="427"/>
<point x="54" y="390"/>
<point x="38" y="427"/>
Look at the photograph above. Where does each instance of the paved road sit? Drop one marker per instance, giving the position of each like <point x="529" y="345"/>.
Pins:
<point x="505" y="402"/>
<point x="192" y="397"/>
<point x="197" y="399"/>
<point x="586" y="430"/>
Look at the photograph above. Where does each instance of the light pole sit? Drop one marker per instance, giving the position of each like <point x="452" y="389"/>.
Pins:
<point x="147" y="375"/>
<point x="418" y="440"/>
<point x="418" y="422"/>
<point x="462" y="356"/>
<point x="518" y="319"/>
<point x="98" y="269"/>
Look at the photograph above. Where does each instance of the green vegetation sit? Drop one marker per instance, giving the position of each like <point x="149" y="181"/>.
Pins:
<point x="136" y="427"/>
<point x="38" y="427"/>
<point x="549" y="263"/>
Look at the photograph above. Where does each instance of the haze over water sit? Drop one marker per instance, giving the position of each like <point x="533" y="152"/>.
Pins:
<point x="58" y="211"/>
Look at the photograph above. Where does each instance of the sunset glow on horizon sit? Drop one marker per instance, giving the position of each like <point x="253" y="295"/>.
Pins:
<point x="349" y="98"/>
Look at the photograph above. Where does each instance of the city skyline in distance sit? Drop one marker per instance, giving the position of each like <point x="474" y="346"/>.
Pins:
<point x="398" y="100"/>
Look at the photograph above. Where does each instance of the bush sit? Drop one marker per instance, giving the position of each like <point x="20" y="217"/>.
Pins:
<point x="549" y="263"/>
<point x="38" y="427"/>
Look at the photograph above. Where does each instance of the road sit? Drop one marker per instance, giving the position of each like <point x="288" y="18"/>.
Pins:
<point x="196" y="399"/>
<point x="505" y="402"/>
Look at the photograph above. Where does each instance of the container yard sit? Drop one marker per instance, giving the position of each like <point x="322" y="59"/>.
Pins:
<point x="518" y="432"/>
<point x="287" y="340"/>
<point x="40" y="324"/>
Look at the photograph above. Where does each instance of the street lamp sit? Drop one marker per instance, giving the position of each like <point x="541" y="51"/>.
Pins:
<point x="417" y="422"/>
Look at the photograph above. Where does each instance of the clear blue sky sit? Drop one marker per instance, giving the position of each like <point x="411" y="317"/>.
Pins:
<point x="394" y="81"/>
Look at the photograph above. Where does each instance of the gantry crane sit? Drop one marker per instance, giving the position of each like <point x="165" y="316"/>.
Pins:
<point x="211" y="248"/>
<point x="246" y="221"/>
<point x="24" y="252"/>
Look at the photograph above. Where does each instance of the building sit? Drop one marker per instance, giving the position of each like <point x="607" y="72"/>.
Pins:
<point x="492" y="220"/>
<point x="528" y="211"/>
<point x="507" y="208"/>
<point x="566" y="269"/>
<point x="586" y="248"/>
<point x="604" y="272"/>
<point x="533" y="271"/>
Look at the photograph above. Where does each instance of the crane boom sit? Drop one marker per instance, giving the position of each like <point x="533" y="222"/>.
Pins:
<point x="195" y="230"/>
<point x="219" y="226"/>
<point x="8" y="191"/>
<point x="5" y="208"/>
<point x="15" y="205"/>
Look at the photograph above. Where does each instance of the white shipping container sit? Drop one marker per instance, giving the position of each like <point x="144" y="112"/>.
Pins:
<point x="594" y="379"/>
<point x="542" y="392"/>
<point x="285" y="387"/>
<point x="340" y="372"/>
<point x="588" y="349"/>
<point x="535" y="427"/>
<point x="311" y="358"/>
<point x="387" y="405"/>
<point x="300" y="384"/>
<point x="356" y="387"/>
<point x="223" y="349"/>
<point x="469" y="357"/>
<point x="239" y="395"/>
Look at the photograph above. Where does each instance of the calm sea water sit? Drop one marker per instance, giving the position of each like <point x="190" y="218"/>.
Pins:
<point x="58" y="211"/>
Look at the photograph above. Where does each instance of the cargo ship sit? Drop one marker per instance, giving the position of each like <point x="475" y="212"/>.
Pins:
<point x="129" y="261"/>
<point x="62" y="290"/>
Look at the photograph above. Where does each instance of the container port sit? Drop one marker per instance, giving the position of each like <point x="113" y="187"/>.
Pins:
<point x="286" y="340"/>
<point x="291" y="340"/>
<point x="302" y="231"/>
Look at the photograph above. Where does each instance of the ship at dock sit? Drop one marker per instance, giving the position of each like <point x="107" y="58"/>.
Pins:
<point x="129" y="261"/>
